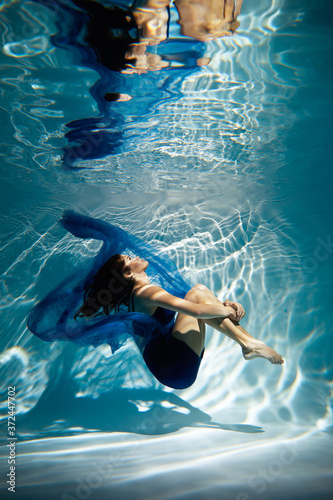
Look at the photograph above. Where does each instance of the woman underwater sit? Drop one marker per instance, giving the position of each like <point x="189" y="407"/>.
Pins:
<point x="173" y="359"/>
<point x="167" y="326"/>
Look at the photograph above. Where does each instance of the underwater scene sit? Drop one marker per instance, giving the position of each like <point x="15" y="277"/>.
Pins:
<point x="196" y="136"/>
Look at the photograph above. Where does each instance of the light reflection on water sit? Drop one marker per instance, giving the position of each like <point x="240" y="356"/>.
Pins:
<point x="202" y="180"/>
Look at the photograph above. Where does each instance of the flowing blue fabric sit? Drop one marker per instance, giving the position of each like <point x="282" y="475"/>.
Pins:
<point x="99" y="34"/>
<point x="53" y="317"/>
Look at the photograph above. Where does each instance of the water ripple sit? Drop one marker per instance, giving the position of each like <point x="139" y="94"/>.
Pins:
<point x="199" y="162"/>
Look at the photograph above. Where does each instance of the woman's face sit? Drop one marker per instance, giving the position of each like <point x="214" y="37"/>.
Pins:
<point x="134" y="265"/>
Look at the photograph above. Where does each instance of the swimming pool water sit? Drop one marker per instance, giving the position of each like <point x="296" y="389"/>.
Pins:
<point x="225" y="167"/>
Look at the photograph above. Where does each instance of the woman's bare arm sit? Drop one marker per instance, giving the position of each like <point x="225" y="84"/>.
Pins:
<point x="156" y="296"/>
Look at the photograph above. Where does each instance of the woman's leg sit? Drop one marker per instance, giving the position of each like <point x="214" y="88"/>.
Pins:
<point x="190" y="330"/>
<point x="251" y="347"/>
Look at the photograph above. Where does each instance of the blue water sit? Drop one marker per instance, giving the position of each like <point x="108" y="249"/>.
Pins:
<point x="227" y="169"/>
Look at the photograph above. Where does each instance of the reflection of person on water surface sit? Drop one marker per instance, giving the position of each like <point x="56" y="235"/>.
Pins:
<point x="117" y="296"/>
<point x="123" y="44"/>
<point x="208" y="19"/>
<point x="121" y="37"/>
<point x="174" y="359"/>
<point x="203" y="20"/>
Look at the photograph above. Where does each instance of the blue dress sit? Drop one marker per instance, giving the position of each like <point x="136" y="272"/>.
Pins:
<point x="52" y="319"/>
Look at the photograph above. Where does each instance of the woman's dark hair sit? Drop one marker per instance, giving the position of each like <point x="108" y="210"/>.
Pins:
<point x="109" y="289"/>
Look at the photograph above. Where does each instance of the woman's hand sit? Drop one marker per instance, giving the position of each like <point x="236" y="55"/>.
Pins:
<point x="230" y="312"/>
<point x="238" y="308"/>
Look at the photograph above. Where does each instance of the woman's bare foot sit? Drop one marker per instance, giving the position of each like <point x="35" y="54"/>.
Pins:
<point x="261" y="350"/>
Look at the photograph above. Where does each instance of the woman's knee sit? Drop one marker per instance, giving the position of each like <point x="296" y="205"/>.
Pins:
<point x="198" y="293"/>
<point x="200" y="287"/>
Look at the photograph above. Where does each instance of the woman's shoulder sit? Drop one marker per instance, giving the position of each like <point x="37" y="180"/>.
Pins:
<point x="142" y="297"/>
<point x="146" y="291"/>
